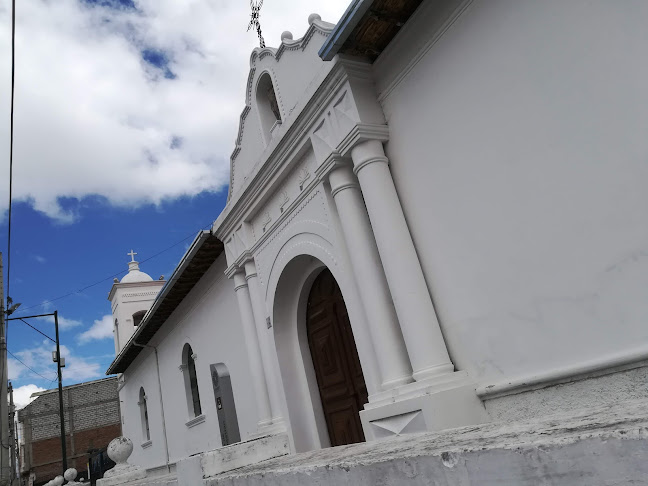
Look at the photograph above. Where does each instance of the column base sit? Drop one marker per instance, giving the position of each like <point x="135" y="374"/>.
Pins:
<point x="442" y="402"/>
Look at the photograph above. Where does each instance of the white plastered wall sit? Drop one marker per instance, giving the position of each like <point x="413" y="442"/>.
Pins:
<point x="127" y="300"/>
<point x="208" y="320"/>
<point x="518" y="147"/>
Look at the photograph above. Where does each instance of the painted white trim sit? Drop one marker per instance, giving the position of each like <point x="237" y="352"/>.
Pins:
<point x="195" y="421"/>
<point x="403" y="74"/>
<point x="608" y="365"/>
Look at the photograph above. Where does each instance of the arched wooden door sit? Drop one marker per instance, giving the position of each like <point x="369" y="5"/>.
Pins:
<point x="335" y="358"/>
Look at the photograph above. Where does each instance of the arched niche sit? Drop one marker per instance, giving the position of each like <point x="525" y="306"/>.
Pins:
<point x="267" y="106"/>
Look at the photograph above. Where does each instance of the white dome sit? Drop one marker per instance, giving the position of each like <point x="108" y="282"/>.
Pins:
<point x="136" y="276"/>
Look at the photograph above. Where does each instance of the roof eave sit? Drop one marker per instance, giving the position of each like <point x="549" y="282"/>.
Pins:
<point x="115" y="366"/>
<point x="344" y="28"/>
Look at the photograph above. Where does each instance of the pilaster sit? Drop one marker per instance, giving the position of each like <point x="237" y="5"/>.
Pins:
<point x="254" y="352"/>
<point x="265" y="344"/>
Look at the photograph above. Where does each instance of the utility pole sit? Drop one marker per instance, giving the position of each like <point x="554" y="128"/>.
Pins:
<point x="60" y="390"/>
<point x="60" y="363"/>
<point x="12" y="435"/>
<point x="4" y="415"/>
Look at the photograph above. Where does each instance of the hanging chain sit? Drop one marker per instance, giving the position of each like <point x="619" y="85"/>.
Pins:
<point x="255" y="5"/>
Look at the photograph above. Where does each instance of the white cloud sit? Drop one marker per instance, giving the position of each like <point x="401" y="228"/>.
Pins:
<point x="40" y="259"/>
<point x="101" y="329"/>
<point x="92" y="117"/>
<point x="22" y="394"/>
<point x="14" y="369"/>
<point x="39" y="359"/>
<point x="64" y="324"/>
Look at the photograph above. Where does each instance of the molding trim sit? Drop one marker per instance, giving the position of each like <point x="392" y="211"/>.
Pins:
<point x="362" y="132"/>
<point x="348" y="185"/>
<point x="195" y="421"/>
<point x="454" y="16"/>
<point x="319" y="26"/>
<point x="370" y="160"/>
<point x="609" y="365"/>
<point x="296" y="138"/>
<point x="140" y="294"/>
<point x="239" y="287"/>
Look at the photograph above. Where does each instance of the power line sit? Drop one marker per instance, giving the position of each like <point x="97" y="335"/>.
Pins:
<point x="30" y="369"/>
<point x="37" y="330"/>
<point x="49" y="301"/>
<point x="11" y="138"/>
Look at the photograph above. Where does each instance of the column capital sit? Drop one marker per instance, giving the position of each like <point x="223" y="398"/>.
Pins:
<point x="334" y="160"/>
<point x="250" y="269"/>
<point x="239" y="280"/>
<point x="363" y="132"/>
<point x="232" y="270"/>
<point x="341" y="177"/>
<point x="368" y="152"/>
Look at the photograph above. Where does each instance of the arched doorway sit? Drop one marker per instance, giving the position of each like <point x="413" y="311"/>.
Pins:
<point x="335" y="359"/>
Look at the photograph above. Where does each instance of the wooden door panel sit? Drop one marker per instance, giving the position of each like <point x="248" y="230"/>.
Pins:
<point x="345" y="427"/>
<point x="326" y="358"/>
<point x="335" y="358"/>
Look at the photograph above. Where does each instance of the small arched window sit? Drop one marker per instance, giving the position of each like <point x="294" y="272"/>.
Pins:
<point x="137" y="317"/>
<point x="144" y="415"/>
<point x="191" y="380"/>
<point x="267" y="105"/>
<point x="116" y="331"/>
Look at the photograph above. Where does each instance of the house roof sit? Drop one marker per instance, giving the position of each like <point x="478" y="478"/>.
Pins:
<point x="195" y="263"/>
<point x="367" y="27"/>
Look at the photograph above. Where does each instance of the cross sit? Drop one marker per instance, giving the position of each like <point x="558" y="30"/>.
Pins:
<point x="255" y="5"/>
<point x="132" y="255"/>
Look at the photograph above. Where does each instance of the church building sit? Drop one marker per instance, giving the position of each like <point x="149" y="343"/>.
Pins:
<point x="436" y="218"/>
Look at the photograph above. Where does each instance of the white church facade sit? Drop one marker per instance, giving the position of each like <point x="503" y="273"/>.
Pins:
<point x="436" y="218"/>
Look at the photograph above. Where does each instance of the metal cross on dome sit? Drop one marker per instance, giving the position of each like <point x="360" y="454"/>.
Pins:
<point x="255" y="5"/>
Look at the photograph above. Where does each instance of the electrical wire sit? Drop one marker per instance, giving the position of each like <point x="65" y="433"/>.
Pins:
<point x="11" y="130"/>
<point x="11" y="138"/>
<point x="29" y="368"/>
<point x="37" y="330"/>
<point x="49" y="301"/>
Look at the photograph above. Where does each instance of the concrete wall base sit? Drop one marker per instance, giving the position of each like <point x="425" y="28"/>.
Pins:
<point x="605" y="445"/>
<point x="194" y="469"/>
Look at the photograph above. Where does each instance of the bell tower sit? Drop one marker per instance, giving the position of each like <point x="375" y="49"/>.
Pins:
<point x="130" y="299"/>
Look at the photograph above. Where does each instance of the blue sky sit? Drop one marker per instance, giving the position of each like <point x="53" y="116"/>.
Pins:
<point x="50" y="260"/>
<point x="126" y="114"/>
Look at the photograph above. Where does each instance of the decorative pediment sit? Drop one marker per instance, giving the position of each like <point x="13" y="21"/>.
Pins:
<point x="277" y="82"/>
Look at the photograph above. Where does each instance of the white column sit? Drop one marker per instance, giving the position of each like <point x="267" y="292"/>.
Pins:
<point x="384" y="330"/>
<point x="254" y="352"/>
<point x="259" y="310"/>
<point x="425" y="344"/>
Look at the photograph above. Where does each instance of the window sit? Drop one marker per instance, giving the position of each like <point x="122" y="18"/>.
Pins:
<point x="146" y="433"/>
<point x="267" y="105"/>
<point x="137" y="317"/>
<point x="116" y="336"/>
<point x="191" y="381"/>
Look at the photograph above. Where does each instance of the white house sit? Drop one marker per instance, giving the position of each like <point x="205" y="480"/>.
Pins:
<point x="436" y="217"/>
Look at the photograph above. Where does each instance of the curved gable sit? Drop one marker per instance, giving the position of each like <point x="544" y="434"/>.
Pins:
<point x="292" y="68"/>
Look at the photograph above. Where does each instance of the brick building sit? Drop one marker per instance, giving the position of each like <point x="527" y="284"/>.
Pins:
<point x="92" y="420"/>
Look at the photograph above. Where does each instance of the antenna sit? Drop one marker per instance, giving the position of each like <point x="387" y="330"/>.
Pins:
<point x="256" y="5"/>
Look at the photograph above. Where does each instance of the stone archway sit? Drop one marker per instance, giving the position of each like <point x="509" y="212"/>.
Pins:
<point x="340" y="380"/>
